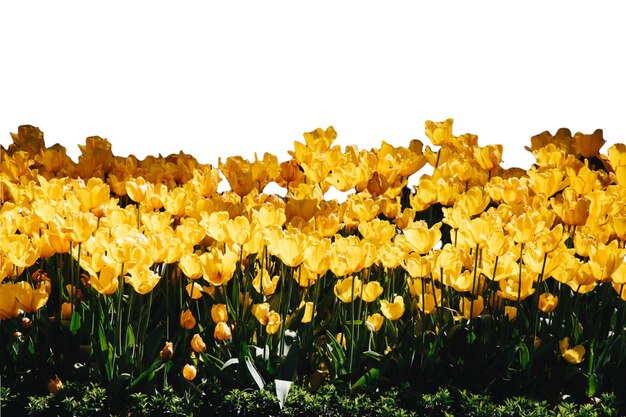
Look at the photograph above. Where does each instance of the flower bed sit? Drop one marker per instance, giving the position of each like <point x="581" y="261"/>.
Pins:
<point x="139" y="274"/>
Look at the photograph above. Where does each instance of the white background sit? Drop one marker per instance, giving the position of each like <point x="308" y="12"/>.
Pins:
<point x="242" y="77"/>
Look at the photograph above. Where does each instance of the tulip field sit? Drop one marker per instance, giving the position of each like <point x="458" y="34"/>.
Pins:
<point x="136" y="274"/>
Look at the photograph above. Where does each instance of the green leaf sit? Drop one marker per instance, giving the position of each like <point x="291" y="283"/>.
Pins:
<point x="371" y="377"/>
<point x="75" y="322"/>
<point x="524" y="355"/>
<point x="102" y="339"/>
<point x="130" y="336"/>
<point x="150" y="372"/>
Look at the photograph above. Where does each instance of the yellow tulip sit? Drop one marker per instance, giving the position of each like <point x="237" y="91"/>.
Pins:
<point x="191" y="265"/>
<point x="348" y="289"/>
<point x="187" y="320"/>
<point x="589" y="145"/>
<point x="194" y="290"/>
<point x="8" y="301"/>
<point x="308" y="311"/>
<point x="20" y="250"/>
<point x="197" y="344"/>
<point x="137" y="188"/>
<point x="393" y="311"/>
<point x="189" y="372"/>
<point x="374" y="322"/>
<point x="420" y="238"/>
<point x="260" y="312"/>
<point x="573" y="355"/>
<point x="142" y="279"/>
<point x="219" y="313"/>
<point x="218" y="267"/>
<point x="547" y="302"/>
<point x="106" y="281"/>
<point x="263" y="284"/>
<point x="371" y="291"/>
<point x="273" y="322"/>
<point x="510" y="312"/>
<point x="29" y="299"/>
<point x="471" y="309"/>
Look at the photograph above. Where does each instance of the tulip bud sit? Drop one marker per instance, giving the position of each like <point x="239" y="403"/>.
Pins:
<point x="167" y="352"/>
<point x="26" y="323"/>
<point x="197" y="344"/>
<point x="55" y="385"/>
<point x="189" y="372"/>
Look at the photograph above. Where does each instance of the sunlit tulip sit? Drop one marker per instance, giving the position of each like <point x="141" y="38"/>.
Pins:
<point x="374" y="322"/>
<point x="573" y="355"/>
<point x="137" y="188"/>
<point x="29" y="299"/>
<point x="142" y="279"/>
<point x="189" y="372"/>
<point x="218" y="267"/>
<point x="187" y="320"/>
<point x="20" y="250"/>
<point x="439" y="133"/>
<point x="394" y="310"/>
<point x="197" y="344"/>
<point x="263" y="284"/>
<point x="377" y="231"/>
<point x="317" y="256"/>
<point x="348" y="289"/>
<point x="106" y="281"/>
<point x="473" y="202"/>
<point x="371" y="291"/>
<point x="421" y="238"/>
<point x="194" y="290"/>
<point x="526" y="226"/>
<point x="238" y="173"/>
<point x="219" y="313"/>
<point x="471" y="308"/>
<point x="308" y="311"/>
<point x="8" y="301"/>
<point x="260" y="312"/>
<point x="191" y="265"/>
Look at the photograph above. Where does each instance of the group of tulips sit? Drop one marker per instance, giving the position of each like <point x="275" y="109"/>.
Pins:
<point x="139" y="272"/>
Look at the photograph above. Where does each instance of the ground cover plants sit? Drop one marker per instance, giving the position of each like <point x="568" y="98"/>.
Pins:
<point x="139" y="276"/>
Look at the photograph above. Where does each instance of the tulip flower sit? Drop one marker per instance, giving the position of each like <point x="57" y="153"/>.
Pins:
<point x="273" y="322"/>
<point x="219" y="313"/>
<point x="167" y="352"/>
<point x="374" y="322"/>
<point x="197" y="344"/>
<point x="348" y="289"/>
<point x="222" y="332"/>
<point x="393" y="311"/>
<point x="371" y="291"/>
<point x="547" y="302"/>
<point x="573" y="355"/>
<point x="187" y="320"/>
<point x="189" y="372"/>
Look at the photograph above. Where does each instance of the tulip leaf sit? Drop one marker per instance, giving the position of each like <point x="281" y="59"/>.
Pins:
<point x="150" y="372"/>
<point x="524" y="355"/>
<point x="130" y="336"/>
<point x="250" y="367"/>
<point x="75" y="322"/>
<point x="371" y="377"/>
